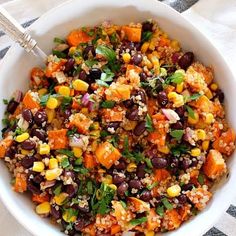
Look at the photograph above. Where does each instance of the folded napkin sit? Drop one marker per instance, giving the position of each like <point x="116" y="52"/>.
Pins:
<point x="215" y="18"/>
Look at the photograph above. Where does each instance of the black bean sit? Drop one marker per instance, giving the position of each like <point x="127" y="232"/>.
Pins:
<point x="121" y="165"/>
<point x="159" y="162"/>
<point x="33" y="188"/>
<point x="123" y="187"/>
<point x="82" y="75"/>
<point x="67" y="113"/>
<point x="187" y="187"/>
<point x="11" y="107"/>
<point x="94" y="74"/>
<point x="147" y="26"/>
<point x="137" y="58"/>
<point x="11" y="152"/>
<point x="182" y="198"/>
<point x="185" y="164"/>
<point x="27" y="162"/>
<point x="89" y="50"/>
<point x="28" y="144"/>
<point x="38" y="179"/>
<point x="177" y="125"/>
<point x="40" y="117"/>
<point x="180" y="111"/>
<point x="127" y="45"/>
<point x="146" y="195"/>
<point x="128" y="103"/>
<point x="39" y="133"/>
<point x="194" y="162"/>
<point x="162" y="99"/>
<point x="140" y="128"/>
<point x="132" y="114"/>
<point x="186" y="60"/>
<point x="220" y="95"/>
<point x="70" y="189"/>
<point x="139" y="234"/>
<point x="140" y="172"/>
<point x="69" y="173"/>
<point x="27" y="115"/>
<point x="118" y="179"/>
<point x="69" y="65"/>
<point x="79" y="224"/>
<point x="136" y="184"/>
<point x="142" y="94"/>
<point x="143" y="76"/>
<point x="174" y="163"/>
<point x="114" y="125"/>
<point x="56" y="214"/>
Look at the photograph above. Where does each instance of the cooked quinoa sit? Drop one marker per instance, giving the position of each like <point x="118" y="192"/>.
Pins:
<point x="121" y="131"/>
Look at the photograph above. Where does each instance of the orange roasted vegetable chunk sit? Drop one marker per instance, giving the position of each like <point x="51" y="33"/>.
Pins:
<point x="54" y="66"/>
<point x="113" y="115"/>
<point x="40" y="198"/>
<point x="153" y="221"/>
<point x="184" y="212"/>
<point x="172" y="219"/>
<point x="89" y="230"/>
<point x="58" y="139"/>
<point x="81" y="122"/>
<point x="36" y="75"/>
<point x="89" y="161"/>
<point x="30" y="102"/>
<point x="115" y="229"/>
<point x="139" y="205"/>
<point x="107" y="154"/>
<point x="77" y="37"/>
<point x="225" y="143"/>
<point x="199" y="197"/>
<point x="20" y="184"/>
<point x="161" y="175"/>
<point x="118" y="92"/>
<point x="132" y="33"/>
<point x="4" y="145"/>
<point x="215" y="165"/>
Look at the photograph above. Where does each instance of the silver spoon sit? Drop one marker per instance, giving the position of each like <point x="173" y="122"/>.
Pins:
<point x="17" y="33"/>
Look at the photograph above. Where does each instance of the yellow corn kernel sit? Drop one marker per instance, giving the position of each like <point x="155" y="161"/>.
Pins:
<point x="180" y="87"/>
<point x="94" y="145"/>
<point x="53" y="163"/>
<point x="43" y="208"/>
<point x="155" y="61"/>
<point x="96" y="125"/>
<point x="130" y="125"/>
<point x="22" y="137"/>
<point x="177" y="99"/>
<point x="163" y="71"/>
<point x="38" y="166"/>
<point x="145" y="47"/>
<point x="175" y="45"/>
<point x="174" y="191"/>
<point x="209" y="94"/>
<point x="107" y="179"/>
<point x="164" y="149"/>
<point x="147" y="63"/>
<point x="131" y="167"/>
<point x="113" y="186"/>
<point x="60" y="157"/>
<point x="201" y="134"/>
<point x="80" y="85"/>
<point x="84" y="110"/>
<point x="77" y="152"/>
<point x="72" y="50"/>
<point x="172" y="95"/>
<point x="64" y="91"/>
<point x="209" y="118"/>
<point x="53" y="174"/>
<point x="101" y="171"/>
<point x="60" y="198"/>
<point x="126" y="57"/>
<point x="51" y="113"/>
<point x="68" y="218"/>
<point x="195" y="152"/>
<point x="25" y="152"/>
<point x="44" y="149"/>
<point x="194" y="120"/>
<point x="205" y="145"/>
<point x="95" y="134"/>
<point x="42" y="91"/>
<point x="214" y="87"/>
<point x="52" y="103"/>
<point x="149" y="233"/>
<point x="152" y="45"/>
<point x="180" y="71"/>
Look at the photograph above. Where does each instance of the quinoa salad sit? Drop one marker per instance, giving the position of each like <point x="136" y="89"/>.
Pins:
<point x="120" y="133"/>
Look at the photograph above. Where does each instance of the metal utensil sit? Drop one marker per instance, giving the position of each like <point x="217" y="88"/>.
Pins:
<point x="16" y="32"/>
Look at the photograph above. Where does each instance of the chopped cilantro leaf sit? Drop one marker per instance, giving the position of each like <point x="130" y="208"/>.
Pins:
<point x="167" y="204"/>
<point x="65" y="162"/>
<point x="57" y="190"/>
<point x="59" y="54"/>
<point x="108" y="104"/>
<point x="138" y="221"/>
<point x="5" y="101"/>
<point x="44" y="99"/>
<point x="146" y="36"/>
<point x="177" y="134"/>
<point x="107" y="52"/>
<point x="160" y="210"/>
<point x="176" y="78"/>
<point x="190" y="112"/>
<point x="66" y="152"/>
<point x="149" y="124"/>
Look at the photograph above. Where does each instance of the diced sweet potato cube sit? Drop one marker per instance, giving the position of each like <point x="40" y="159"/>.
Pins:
<point x="20" y="184"/>
<point x="225" y="143"/>
<point x="115" y="229"/>
<point x="203" y="104"/>
<point x="58" y="139"/>
<point x="4" y="145"/>
<point x="153" y="221"/>
<point x="107" y="154"/>
<point x="139" y="205"/>
<point x="76" y="37"/>
<point x="89" y="161"/>
<point x="215" y="165"/>
<point x="30" y="102"/>
<point x="172" y="219"/>
<point x="118" y="92"/>
<point x="53" y="67"/>
<point x="161" y="175"/>
<point x="133" y="34"/>
<point x="81" y="122"/>
<point x="184" y="212"/>
<point x="113" y="115"/>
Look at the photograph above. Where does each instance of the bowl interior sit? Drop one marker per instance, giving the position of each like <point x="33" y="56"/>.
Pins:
<point x="17" y="64"/>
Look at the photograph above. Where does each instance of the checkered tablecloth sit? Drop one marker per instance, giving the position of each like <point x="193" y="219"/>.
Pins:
<point x="215" y="18"/>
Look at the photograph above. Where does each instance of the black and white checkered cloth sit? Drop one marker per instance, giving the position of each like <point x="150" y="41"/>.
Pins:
<point x="227" y="224"/>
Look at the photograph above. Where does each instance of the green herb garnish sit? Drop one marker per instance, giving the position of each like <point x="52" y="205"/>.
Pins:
<point x="81" y="170"/>
<point x="104" y="134"/>
<point x="5" y="101"/>
<point x="91" y="63"/>
<point x="150" y="187"/>
<point x="59" y="54"/>
<point x="146" y="36"/>
<point x="58" y="40"/>
<point x="190" y="112"/>
<point x="66" y="152"/>
<point x="90" y="187"/>
<point x="179" y="149"/>
<point x="177" y="134"/>
<point x="201" y="179"/>
<point x="124" y="205"/>
<point x="72" y="131"/>
<point x="44" y="99"/>
<point x="65" y="162"/>
<point x="149" y="124"/>
<point x="107" y="52"/>
<point x="108" y="104"/>
<point x="66" y="101"/>
<point x="19" y="131"/>
<point x="57" y="190"/>
<point x="167" y="204"/>
<point x="176" y="78"/>
<point x="194" y="96"/>
<point x="160" y="211"/>
<point x="139" y="221"/>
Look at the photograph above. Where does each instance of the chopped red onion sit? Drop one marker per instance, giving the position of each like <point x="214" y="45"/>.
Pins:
<point x="79" y="141"/>
<point x="17" y="96"/>
<point x="171" y="115"/>
<point x="85" y="100"/>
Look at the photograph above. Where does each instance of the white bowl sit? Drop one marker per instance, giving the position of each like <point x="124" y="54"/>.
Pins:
<point x="16" y="65"/>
